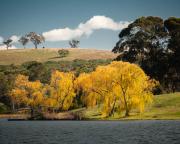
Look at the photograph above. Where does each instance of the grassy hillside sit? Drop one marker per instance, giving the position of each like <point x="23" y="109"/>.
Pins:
<point x="19" y="56"/>
<point x="165" y="106"/>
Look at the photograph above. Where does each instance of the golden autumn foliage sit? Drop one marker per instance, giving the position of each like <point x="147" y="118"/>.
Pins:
<point x="119" y="85"/>
<point x="62" y="89"/>
<point x="26" y="92"/>
<point x="59" y="94"/>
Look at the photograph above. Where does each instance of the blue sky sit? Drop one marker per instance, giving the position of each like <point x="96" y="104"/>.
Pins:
<point x="19" y="17"/>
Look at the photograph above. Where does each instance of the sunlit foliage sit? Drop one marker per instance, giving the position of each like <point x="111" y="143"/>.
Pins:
<point x="62" y="89"/>
<point x="120" y="86"/>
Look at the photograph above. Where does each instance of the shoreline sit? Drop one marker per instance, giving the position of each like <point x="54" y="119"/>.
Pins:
<point x="24" y="117"/>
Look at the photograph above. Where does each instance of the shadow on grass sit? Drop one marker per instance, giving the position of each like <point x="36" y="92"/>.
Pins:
<point x="57" y="57"/>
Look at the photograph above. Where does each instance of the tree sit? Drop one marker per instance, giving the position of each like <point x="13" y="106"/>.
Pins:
<point x="62" y="89"/>
<point x="36" y="39"/>
<point x="173" y="76"/>
<point x="8" y="43"/>
<point x="5" y="85"/>
<point x="118" y="86"/>
<point x="18" y="94"/>
<point x="74" y="43"/>
<point x="63" y="53"/>
<point x="27" y="93"/>
<point x="37" y="71"/>
<point x="24" y="40"/>
<point x="148" y="42"/>
<point x="134" y="86"/>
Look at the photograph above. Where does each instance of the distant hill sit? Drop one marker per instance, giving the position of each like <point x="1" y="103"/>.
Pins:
<point x="19" y="56"/>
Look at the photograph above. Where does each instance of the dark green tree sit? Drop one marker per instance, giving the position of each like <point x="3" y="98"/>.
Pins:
<point x="8" y="43"/>
<point x="149" y="42"/>
<point x="23" y="40"/>
<point x="74" y="43"/>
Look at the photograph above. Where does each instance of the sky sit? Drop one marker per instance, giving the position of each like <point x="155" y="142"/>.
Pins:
<point x="96" y="23"/>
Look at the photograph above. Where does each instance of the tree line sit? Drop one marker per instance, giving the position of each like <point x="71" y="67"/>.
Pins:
<point x="42" y="72"/>
<point x="36" y="39"/>
<point x="117" y="87"/>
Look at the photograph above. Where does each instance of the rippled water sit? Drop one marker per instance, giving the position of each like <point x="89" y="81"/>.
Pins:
<point x="89" y="132"/>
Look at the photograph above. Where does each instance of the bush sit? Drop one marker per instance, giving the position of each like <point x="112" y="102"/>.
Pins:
<point x="3" y="108"/>
<point x="63" y="53"/>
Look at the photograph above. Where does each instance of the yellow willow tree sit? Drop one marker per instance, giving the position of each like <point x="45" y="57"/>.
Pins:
<point x="119" y="84"/>
<point x="27" y="93"/>
<point x="18" y="94"/>
<point x="134" y="86"/>
<point x="62" y="89"/>
<point x="34" y="95"/>
<point x="98" y="88"/>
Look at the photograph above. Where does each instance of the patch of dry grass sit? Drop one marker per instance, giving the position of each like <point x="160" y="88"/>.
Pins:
<point x="19" y="56"/>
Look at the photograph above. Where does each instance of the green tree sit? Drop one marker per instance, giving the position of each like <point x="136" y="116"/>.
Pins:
<point x="150" y="42"/>
<point x="24" y="40"/>
<point x="63" y="53"/>
<point x="74" y="43"/>
<point x="8" y="43"/>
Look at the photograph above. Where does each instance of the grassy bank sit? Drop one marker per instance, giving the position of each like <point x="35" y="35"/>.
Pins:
<point x="19" y="56"/>
<point x="165" y="106"/>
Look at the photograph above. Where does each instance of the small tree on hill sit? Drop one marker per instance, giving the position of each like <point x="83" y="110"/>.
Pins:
<point x="74" y="43"/>
<point x="63" y="53"/>
<point x="35" y="38"/>
<point x="8" y="43"/>
<point x="23" y="40"/>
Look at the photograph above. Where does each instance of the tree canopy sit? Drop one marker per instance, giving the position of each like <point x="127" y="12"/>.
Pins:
<point x="154" y="45"/>
<point x="118" y="86"/>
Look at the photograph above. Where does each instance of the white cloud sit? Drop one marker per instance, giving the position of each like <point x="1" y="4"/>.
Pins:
<point x="3" y="47"/>
<point x="87" y="28"/>
<point x="1" y="39"/>
<point x="62" y="34"/>
<point x="14" y="38"/>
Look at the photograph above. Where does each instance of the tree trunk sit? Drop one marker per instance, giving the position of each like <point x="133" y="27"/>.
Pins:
<point x="13" y="107"/>
<point x="112" y="110"/>
<point x="126" y="105"/>
<point x="127" y="112"/>
<point x="32" y="113"/>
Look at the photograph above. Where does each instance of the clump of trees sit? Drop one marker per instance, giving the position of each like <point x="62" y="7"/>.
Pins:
<point x="117" y="87"/>
<point x="35" y="38"/>
<point x="74" y="43"/>
<point x="154" y="45"/>
<point x="35" y="95"/>
<point x="63" y="53"/>
<point x="42" y="72"/>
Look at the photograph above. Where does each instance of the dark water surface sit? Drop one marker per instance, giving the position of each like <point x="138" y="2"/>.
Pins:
<point x="89" y="132"/>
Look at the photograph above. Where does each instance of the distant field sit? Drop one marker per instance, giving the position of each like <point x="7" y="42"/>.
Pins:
<point x="19" y="56"/>
<point x="165" y="106"/>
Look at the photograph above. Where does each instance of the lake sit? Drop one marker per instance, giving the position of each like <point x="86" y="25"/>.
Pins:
<point x="90" y="132"/>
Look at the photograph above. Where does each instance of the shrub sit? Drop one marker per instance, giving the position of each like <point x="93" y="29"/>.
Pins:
<point x="63" y="53"/>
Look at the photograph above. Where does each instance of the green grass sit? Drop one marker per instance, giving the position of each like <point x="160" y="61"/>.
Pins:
<point x="165" y="106"/>
<point x="19" y="56"/>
